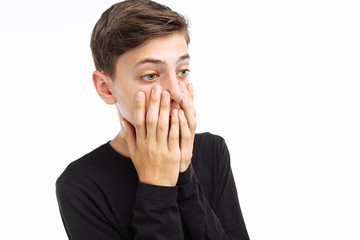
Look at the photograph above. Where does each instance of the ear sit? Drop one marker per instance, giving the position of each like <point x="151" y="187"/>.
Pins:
<point x="101" y="83"/>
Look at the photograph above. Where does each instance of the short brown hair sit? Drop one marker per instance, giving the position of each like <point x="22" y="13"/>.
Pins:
<point x="129" y="24"/>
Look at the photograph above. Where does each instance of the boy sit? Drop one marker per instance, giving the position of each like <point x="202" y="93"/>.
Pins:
<point x="156" y="179"/>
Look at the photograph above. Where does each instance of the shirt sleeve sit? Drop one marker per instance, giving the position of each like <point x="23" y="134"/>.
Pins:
<point x="199" y="219"/>
<point x="155" y="214"/>
<point x="81" y="216"/>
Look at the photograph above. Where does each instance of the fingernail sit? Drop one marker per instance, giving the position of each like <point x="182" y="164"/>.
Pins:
<point x="139" y="95"/>
<point x="175" y="112"/>
<point x="183" y="85"/>
<point x="157" y="89"/>
<point x="182" y="113"/>
<point x="165" y="96"/>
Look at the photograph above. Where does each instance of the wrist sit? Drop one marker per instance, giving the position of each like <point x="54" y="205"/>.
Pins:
<point x="159" y="182"/>
<point x="154" y="192"/>
<point x="186" y="176"/>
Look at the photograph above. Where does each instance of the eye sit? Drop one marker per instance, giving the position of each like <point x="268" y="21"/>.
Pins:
<point x="150" y="77"/>
<point x="184" y="73"/>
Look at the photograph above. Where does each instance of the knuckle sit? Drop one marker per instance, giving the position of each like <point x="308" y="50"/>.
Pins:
<point x="150" y="121"/>
<point x="174" y="120"/>
<point x="173" y="135"/>
<point x="186" y="134"/>
<point x="183" y="122"/>
<point x="165" y="104"/>
<point x="154" y="98"/>
<point x="144" y="144"/>
<point x="150" y="152"/>
<point x="162" y="126"/>
<point x="185" y="102"/>
<point x="175" y="156"/>
<point x="155" y="95"/>
<point x="138" y="122"/>
<point x="139" y="104"/>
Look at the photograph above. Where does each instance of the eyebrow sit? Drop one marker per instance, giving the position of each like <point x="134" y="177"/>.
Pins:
<point x="158" y="61"/>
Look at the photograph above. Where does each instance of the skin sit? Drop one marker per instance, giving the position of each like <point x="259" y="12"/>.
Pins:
<point x="155" y="103"/>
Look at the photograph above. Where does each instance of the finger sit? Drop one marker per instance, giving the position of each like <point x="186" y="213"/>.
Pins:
<point x="191" y="119"/>
<point x="153" y="112"/>
<point x="174" y="131"/>
<point x="187" y="104"/>
<point x="163" y="122"/>
<point x="188" y="95"/>
<point x="130" y="137"/>
<point x="139" y="115"/>
<point x="186" y="137"/>
<point x="191" y="90"/>
<point x="185" y="90"/>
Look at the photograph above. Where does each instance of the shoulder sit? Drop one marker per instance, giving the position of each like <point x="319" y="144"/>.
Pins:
<point x="80" y="169"/>
<point x="209" y="150"/>
<point x="208" y="142"/>
<point x="208" y="137"/>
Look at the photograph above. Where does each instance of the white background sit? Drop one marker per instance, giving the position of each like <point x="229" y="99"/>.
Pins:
<point x="279" y="80"/>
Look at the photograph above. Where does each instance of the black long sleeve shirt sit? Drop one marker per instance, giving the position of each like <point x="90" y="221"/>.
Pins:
<point x="100" y="197"/>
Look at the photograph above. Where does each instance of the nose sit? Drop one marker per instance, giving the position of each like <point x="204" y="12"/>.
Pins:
<point x="172" y="86"/>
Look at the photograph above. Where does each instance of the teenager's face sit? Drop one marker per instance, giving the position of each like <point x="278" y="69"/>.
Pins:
<point x="162" y="61"/>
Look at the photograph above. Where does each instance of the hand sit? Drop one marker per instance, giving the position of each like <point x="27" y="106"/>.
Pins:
<point x="187" y="125"/>
<point x="154" y="150"/>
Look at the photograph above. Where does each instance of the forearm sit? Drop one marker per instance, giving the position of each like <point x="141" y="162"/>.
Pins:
<point x="200" y="220"/>
<point x="156" y="214"/>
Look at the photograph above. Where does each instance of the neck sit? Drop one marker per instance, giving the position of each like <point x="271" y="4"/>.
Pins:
<point x="119" y="144"/>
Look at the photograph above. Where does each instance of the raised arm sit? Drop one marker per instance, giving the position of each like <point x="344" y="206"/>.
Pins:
<point x="83" y="211"/>
<point x="225" y="221"/>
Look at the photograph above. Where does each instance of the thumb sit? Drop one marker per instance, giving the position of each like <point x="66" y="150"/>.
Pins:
<point x="130" y="136"/>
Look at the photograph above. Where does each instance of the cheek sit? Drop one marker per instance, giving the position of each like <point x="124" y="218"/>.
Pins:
<point x="126" y="109"/>
<point x="126" y="106"/>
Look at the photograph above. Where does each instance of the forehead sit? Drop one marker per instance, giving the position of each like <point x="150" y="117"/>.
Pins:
<point x="166" y="48"/>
